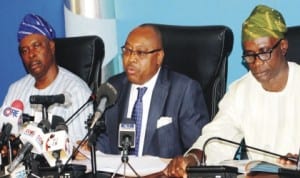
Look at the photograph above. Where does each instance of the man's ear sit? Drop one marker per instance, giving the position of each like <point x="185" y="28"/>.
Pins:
<point x="160" y="57"/>
<point x="284" y="46"/>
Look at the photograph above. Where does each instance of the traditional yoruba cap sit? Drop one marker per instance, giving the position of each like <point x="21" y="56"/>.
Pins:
<point x="263" y="22"/>
<point x="34" y="24"/>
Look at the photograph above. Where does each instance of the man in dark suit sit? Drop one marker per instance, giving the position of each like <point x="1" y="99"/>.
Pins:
<point x="174" y="110"/>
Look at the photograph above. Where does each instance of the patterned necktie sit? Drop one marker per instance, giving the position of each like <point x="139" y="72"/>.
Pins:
<point x="137" y="114"/>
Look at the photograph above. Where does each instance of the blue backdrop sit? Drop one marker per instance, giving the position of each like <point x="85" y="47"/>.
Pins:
<point x="130" y="13"/>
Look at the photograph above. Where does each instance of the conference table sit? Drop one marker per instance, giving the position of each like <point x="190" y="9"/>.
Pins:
<point x="258" y="175"/>
<point x="161" y="175"/>
<point x="139" y="163"/>
<point x="148" y="162"/>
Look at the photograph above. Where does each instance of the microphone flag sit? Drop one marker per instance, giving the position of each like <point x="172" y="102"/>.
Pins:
<point x="47" y="143"/>
<point x="57" y="142"/>
<point x="13" y="115"/>
<point x="34" y="135"/>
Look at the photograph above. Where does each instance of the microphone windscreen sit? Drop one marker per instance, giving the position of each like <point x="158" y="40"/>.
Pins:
<point x="27" y="118"/>
<point x="109" y="91"/>
<point x="56" y="120"/>
<point x="5" y="133"/>
<point x="44" y="125"/>
<point x="6" y="128"/>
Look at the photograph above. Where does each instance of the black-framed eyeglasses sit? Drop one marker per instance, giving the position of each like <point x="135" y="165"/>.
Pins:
<point x="264" y="56"/>
<point x="138" y="53"/>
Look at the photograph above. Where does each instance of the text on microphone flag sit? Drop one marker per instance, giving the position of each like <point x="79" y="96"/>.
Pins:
<point x="12" y="114"/>
<point x="9" y="111"/>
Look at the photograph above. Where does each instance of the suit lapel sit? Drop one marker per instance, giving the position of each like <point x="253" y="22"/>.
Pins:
<point x="158" y="100"/>
<point x="124" y="97"/>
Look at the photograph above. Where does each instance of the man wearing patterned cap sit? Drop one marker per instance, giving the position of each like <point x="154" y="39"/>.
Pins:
<point x="262" y="106"/>
<point x="45" y="77"/>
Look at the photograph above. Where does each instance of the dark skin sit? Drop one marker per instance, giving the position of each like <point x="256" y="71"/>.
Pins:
<point x="38" y="55"/>
<point x="141" y="69"/>
<point x="177" y="166"/>
<point x="271" y="74"/>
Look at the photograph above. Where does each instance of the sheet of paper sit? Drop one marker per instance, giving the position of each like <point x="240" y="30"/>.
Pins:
<point x="240" y="164"/>
<point x="144" y="165"/>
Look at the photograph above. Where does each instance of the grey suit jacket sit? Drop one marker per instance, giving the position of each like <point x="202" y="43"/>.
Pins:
<point x="175" y="96"/>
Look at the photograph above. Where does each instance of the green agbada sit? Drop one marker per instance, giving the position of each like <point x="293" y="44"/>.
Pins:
<point x="263" y="22"/>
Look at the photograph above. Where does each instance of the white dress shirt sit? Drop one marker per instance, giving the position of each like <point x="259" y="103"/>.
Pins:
<point x="146" y="106"/>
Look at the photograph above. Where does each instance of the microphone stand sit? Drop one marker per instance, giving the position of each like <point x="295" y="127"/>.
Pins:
<point x="92" y="97"/>
<point x="208" y="171"/>
<point x="125" y="159"/>
<point x="58" y="162"/>
<point x="91" y="137"/>
<point x="247" y="146"/>
<point x="9" y="151"/>
<point x="27" y="162"/>
<point x="64" y="166"/>
<point x="45" y="111"/>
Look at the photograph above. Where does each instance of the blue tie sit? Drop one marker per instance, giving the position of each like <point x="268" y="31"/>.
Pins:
<point x="137" y="114"/>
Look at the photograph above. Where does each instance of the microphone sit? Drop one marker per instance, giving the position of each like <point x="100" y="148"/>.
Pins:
<point x="127" y="131"/>
<point x="202" y="161"/>
<point x="5" y="133"/>
<point x="27" y="118"/>
<point x="48" y="100"/>
<point x="228" y="171"/>
<point x="58" y="123"/>
<point x="22" y="153"/>
<point x="44" y="125"/>
<point x="13" y="115"/>
<point x="106" y="96"/>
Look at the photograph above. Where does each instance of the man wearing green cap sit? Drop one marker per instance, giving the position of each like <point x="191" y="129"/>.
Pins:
<point x="262" y="106"/>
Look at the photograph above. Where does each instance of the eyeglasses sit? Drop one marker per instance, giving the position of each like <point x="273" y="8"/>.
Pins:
<point x="264" y="56"/>
<point x="138" y="53"/>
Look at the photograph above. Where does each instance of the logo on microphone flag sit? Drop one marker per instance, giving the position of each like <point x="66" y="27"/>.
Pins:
<point x="58" y="142"/>
<point x="14" y="116"/>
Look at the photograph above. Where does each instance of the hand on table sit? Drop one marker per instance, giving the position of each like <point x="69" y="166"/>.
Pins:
<point x="83" y="152"/>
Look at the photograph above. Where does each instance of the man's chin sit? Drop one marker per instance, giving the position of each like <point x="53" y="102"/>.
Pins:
<point x="36" y="75"/>
<point x="132" y="79"/>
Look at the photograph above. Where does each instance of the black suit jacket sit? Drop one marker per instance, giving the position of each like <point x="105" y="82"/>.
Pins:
<point x="175" y="96"/>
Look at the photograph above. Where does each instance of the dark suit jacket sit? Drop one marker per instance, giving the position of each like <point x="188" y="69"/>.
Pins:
<point x="175" y="96"/>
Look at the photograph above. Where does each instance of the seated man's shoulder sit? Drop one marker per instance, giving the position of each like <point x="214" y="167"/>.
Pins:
<point x="70" y="76"/>
<point x="71" y="82"/>
<point x="26" y="80"/>
<point x="117" y="79"/>
<point x="182" y="78"/>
